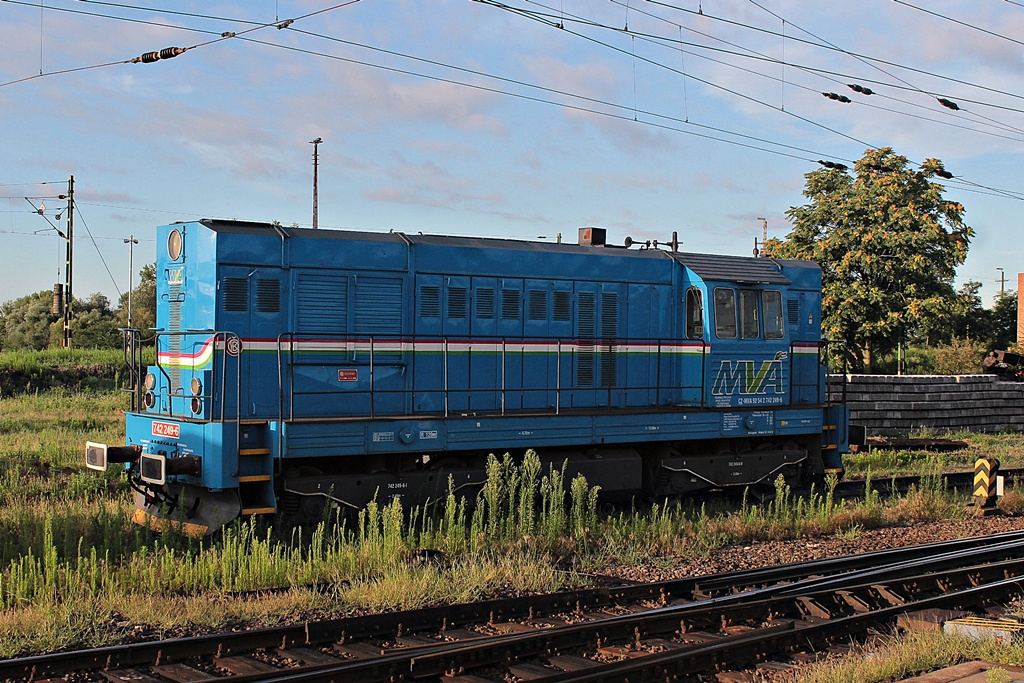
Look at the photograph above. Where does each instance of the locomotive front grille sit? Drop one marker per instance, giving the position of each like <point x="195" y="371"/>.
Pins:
<point x="174" y="340"/>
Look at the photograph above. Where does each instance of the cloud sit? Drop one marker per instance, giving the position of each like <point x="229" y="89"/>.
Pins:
<point x="428" y="184"/>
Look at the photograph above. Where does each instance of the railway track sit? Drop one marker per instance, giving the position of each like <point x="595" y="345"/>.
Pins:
<point x="887" y="486"/>
<point x="635" y="632"/>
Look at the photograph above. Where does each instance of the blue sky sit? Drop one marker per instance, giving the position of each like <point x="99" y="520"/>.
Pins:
<point x="460" y="117"/>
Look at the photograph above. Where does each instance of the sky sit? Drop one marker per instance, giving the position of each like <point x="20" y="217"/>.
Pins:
<point x="519" y="119"/>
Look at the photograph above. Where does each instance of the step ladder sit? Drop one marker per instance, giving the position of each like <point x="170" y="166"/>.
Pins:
<point x="255" y="469"/>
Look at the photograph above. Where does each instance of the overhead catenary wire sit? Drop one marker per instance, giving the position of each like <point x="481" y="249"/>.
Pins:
<point x="761" y="141"/>
<point x="546" y="20"/>
<point x="878" y="60"/>
<point x="954" y="121"/>
<point x="165" y="53"/>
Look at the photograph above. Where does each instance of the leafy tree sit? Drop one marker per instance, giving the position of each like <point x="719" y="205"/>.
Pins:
<point x="143" y="302"/>
<point x="968" y="321"/>
<point x="1003" y="320"/>
<point x="25" y="322"/>
<point x="29" y="323"/>
<point x="888" y="245"/>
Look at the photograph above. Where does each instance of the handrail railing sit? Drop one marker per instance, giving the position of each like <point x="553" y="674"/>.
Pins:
<point x="454" y="393"/>
<point x="222" y="342"/>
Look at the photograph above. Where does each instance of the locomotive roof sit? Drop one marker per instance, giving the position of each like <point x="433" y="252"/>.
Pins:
<point x="713" y="267"/>
<point x="743" y="269"/>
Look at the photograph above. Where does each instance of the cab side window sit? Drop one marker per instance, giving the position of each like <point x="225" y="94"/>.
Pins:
<point x="694" y="314"/>
<point x="725" y="313"/>
<point x="771" y="304"/>
<point x="749" y="328"/>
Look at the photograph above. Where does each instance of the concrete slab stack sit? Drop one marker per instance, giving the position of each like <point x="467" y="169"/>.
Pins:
<point x="896" y="405"/>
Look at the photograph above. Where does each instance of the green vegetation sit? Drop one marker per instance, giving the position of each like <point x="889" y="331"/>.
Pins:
<point x="67" y="369"/>
<point x="33" y="322"/>
<point x="899" y="657"/>
<point x="75" y="571"/>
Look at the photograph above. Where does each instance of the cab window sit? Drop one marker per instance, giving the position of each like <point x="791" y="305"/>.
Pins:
<point x="725" y="313"/>
<point x="694" y="314"/>
<point x="748" y="314"/>
<point x="771" y="306"/>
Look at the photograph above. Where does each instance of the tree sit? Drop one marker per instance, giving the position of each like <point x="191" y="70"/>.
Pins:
<point x="143" y="302"/>
<point x="1003" y="320"/>
<point x="25" y="322"/>
<point x="888" y="245"/>
<point x="29" y="323"/>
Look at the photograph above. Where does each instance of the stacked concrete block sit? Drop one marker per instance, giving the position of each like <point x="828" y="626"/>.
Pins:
<point x="896" y="405"/>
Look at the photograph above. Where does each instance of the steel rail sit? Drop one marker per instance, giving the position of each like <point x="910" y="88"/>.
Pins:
<point x="906" y="560"/>
<point x="450" y="658"/>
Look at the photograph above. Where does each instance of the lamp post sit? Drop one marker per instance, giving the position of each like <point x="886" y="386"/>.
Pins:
<point x="131" y="242"/>
<point x="316" y="164"/>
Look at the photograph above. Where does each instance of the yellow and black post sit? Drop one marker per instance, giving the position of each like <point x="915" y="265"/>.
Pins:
<point x="985" y="472"/>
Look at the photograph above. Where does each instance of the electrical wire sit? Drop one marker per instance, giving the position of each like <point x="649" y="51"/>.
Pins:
<point x="759" y="140"/>
<point x="956" y="122"/>
<point x="546" y="20"/>
<point x="221" y="37"/>
<point x="911" y="69"/>
<point x="98" y="252"/>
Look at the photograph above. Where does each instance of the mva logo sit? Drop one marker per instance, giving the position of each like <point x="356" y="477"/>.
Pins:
<point x="740" y="377"/>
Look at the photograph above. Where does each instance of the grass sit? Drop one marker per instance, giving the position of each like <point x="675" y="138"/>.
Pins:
<point x="900" y="656"/>
<point x="25" y="372"/>
<point x="1008" y="448"/>
<point x="73" y="570"/>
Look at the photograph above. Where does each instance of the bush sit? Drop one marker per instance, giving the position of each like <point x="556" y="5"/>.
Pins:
<point x="959" y="357"/>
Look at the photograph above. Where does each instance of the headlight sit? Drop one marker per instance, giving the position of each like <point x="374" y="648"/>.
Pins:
<point x="174" y="245"/>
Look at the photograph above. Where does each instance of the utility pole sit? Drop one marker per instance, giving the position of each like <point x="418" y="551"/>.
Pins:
<point x="764" y="236"/>
<point x="316" y="163"/>
<point x="131" y="242"/>
<point x="66" y="343"/>
<point x="1002" y="280"/>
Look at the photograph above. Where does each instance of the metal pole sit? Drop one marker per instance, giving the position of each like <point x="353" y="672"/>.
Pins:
<point x="66" y="342"/>
<point x="316" y="164"/>
<point x="131" y="242"/>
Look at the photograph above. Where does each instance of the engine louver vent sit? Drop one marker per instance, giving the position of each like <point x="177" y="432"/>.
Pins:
<point x="537" y="304"/>
<point x="458" y="303"/>
<point x="322" y="303"/>
<point x="587" y="332"/>
<point x="562" y="307"/>
<point x="430" y="301"/>
<point x="485" y="303"/>
<point x="510" y="304"/>
<point x="268" y="295"/>
<point x="235" y="292"/>
<point x="609" y="338"/>
<point x="793" y="312"/>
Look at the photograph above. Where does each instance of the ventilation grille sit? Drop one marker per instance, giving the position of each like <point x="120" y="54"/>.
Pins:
<point x="587" y="332"/>
<point x="236" y="294"/>
<point x="322" y="303"/>
<point x="268" y="295"/>
<point x="537" y="304"/>
<point x="430" y="301"/>
<point x="510" y="304"/>
<point x="378" y="306"/>
<point x="793" y="312"/>
<point x="485" y="303"/>
<point x="174" y="340"/>
<point x="562" y="307"/>
<point x="609" y="338"/>
<point x="458" y="303"/>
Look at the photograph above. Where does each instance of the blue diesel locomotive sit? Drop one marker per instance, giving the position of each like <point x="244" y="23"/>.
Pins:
<point x="299" y="368"/>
